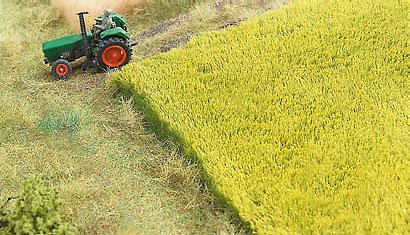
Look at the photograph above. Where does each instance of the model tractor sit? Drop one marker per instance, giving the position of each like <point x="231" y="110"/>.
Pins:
<point x="110" y="49"/>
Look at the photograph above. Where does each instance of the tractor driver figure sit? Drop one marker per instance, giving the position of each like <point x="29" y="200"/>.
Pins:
<point x="105" y="24"/>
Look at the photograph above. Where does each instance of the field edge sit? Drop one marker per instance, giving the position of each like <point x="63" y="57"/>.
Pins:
<point x="164" y="132"/>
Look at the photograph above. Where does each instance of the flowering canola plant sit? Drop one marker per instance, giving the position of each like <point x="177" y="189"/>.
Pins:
<point x="299" y="117"/>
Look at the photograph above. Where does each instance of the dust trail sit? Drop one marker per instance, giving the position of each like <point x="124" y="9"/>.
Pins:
<point x="69" y="8"/>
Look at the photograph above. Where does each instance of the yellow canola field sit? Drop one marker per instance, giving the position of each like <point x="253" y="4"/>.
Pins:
<point x="299" y="117"/>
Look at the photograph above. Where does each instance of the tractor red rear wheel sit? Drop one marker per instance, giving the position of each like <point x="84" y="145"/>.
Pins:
<point x="61" y="69"/>
<point x="113" y="53"/>
<point x="114" y="56"/>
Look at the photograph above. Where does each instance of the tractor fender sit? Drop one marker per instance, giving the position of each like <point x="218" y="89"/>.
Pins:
<point x="115" y="32"/>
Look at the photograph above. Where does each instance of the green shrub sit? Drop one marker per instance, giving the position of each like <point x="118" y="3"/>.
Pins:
<point x="36" y="211"/>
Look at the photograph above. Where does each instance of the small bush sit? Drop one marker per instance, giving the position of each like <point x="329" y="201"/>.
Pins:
<point x="34" y="212"/>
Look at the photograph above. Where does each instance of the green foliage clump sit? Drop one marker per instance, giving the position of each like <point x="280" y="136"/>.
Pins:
<point x="36" y="211"/>
<point x="299" y="117"/>
<point x="68" y="121"/>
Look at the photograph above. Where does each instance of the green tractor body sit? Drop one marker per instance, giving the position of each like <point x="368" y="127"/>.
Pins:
<point x="108" y="50"/>
<point x="119" y="32"/>
<point x="54" y="49"/>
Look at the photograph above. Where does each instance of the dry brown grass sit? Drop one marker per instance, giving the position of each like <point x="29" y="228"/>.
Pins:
<point x="69" y="8"/>
<point x="112" y="174"/>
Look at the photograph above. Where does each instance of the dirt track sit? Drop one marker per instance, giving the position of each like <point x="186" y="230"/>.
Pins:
<point x="183" y="22"/>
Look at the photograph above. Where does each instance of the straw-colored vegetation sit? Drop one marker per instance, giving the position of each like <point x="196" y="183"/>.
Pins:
<point x="300" y="117"/>
<point x="112" y="175"/>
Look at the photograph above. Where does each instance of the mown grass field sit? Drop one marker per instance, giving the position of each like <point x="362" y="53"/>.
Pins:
<point x="113" y="176"/>
<point x="299" y="117"/>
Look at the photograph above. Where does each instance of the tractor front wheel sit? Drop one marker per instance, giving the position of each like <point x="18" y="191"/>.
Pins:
<point x="113" y="53"/>
<point x="61" y="69"/>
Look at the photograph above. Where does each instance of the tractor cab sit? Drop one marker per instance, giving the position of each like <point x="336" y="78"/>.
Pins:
<point x="118" y="21"/>
<point x="118" y="28"/>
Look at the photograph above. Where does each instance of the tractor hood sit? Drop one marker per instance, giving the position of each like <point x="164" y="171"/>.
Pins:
<point x="54" y="48"/>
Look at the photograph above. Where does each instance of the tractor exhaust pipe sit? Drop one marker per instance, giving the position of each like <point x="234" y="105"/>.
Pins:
<point x="86" y="43"/>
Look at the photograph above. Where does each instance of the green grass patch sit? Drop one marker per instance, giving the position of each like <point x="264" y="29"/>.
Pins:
<point x="69" y="121"/>
<point x="298" y="117"/>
